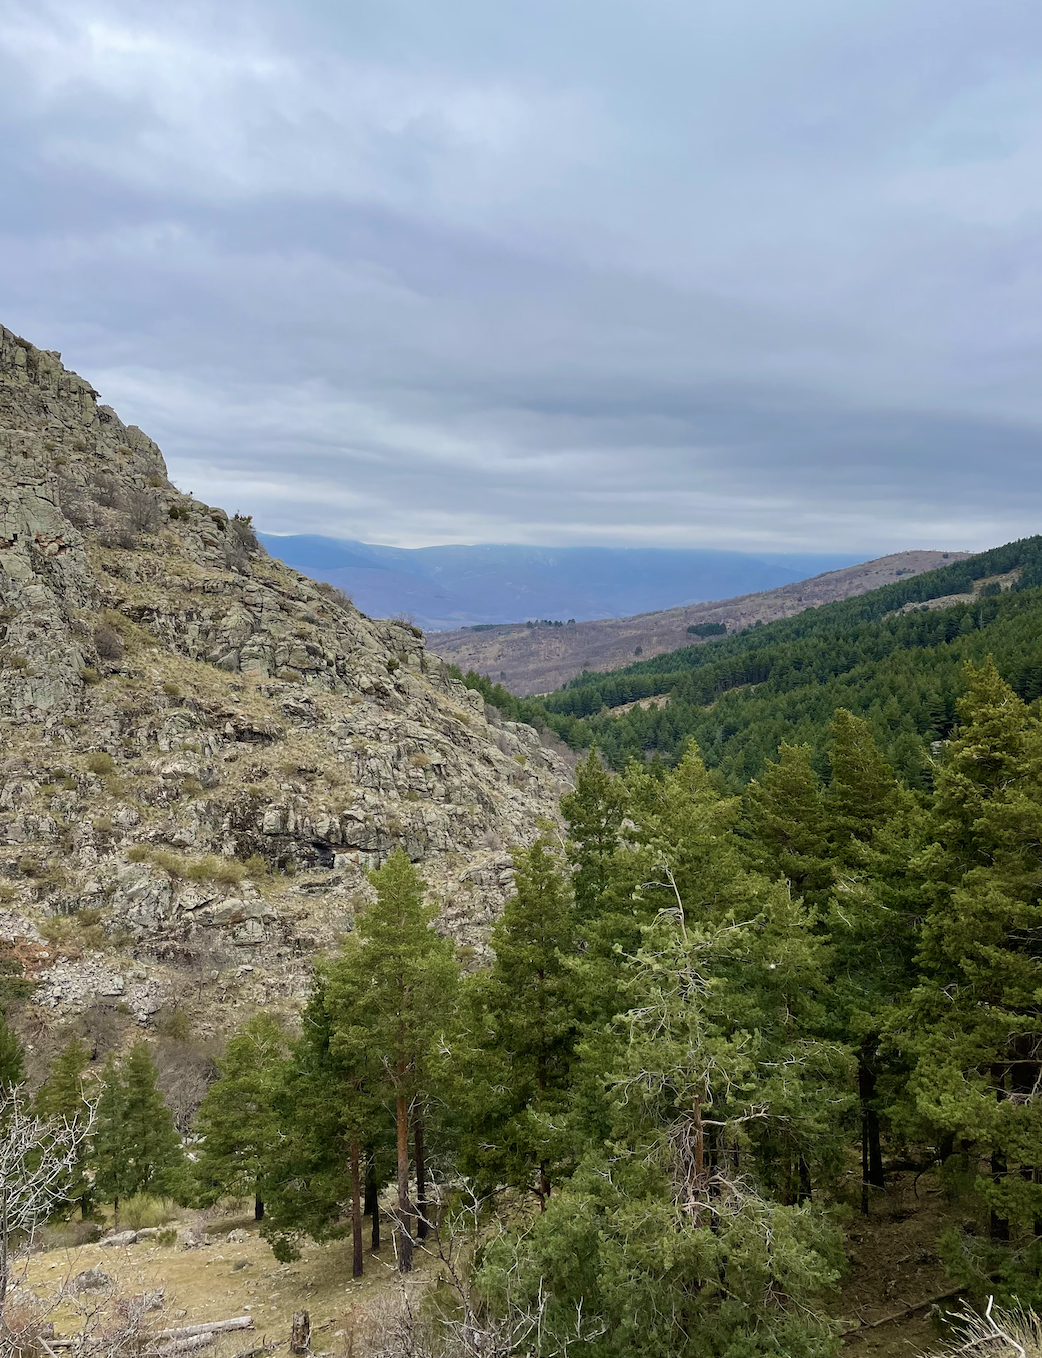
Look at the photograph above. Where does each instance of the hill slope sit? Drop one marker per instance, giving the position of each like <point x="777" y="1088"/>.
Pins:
<point x="447" y="587"/>
<point x="538" y="659"/>
<point x="894" y="655"/>
<point x="201" y="751"/>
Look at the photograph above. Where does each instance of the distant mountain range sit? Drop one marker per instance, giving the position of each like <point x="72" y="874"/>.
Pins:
<point x="445" y="588"/>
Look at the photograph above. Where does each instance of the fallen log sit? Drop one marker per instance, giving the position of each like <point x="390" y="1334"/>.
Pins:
<point x="189" y="1345"/>
<point x="909" y="1310"/>
<point x="207" y="1327"/>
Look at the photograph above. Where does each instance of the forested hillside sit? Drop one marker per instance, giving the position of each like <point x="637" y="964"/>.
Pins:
<point x="716" y="1033"/>
<point x="894" y="655"/>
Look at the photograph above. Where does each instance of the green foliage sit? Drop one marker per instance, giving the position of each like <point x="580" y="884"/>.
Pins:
<point x="136" y="1147"/>
<point x="522" y="1023"/>
<point x="237" y="1118"/>
<point x="12" y="1059"/>
<point x="707" y="629"/>
<point x="64" y="1097"/>
<point x="974" y="1023"/>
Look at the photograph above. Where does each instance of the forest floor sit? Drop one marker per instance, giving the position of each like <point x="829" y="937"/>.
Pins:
<point x="222" y="1279"/>
<point x="889" y="1297"/>
<point x="895" y="1288"/>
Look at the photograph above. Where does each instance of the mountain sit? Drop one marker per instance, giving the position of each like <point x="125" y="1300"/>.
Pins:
<point x="201" y="750"/>
<point x="895" y="655"/>
<point x="537" y="659"/>
<point x="442" y="588"/>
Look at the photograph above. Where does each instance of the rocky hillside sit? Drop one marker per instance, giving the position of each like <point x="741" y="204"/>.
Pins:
<point x="538" y="659"/>
<point x="202" y="751"/>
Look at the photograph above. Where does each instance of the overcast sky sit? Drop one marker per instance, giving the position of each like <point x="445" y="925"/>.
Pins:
<point x="661" y="272"/>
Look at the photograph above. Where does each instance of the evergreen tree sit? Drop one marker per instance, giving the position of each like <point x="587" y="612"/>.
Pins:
<point x="402" y="1000"/>
<point x="63" y="1098"/>
<point x="523" y="1026"/>
<point x="136" y="1146"/>
<point x="327" y="1112"/>
<point x="863" y="792"/>
<point x="594" y="811"/>
<point x="720" y="1099"/>
<point x="236" y="1119"/>
<point x="12" y="1060"/>
<point x="787" y="825"/>
<point x="974" y="1024"/>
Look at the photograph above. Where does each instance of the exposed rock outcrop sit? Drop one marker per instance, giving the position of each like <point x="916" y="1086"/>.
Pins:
<point x="201" y="751"/>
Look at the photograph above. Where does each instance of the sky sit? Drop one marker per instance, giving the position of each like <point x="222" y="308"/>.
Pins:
<point x="619" y="272"/>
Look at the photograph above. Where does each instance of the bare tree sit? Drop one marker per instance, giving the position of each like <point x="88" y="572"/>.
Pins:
<point x="37" y="1159"/>
<point x="459" y="1322"/>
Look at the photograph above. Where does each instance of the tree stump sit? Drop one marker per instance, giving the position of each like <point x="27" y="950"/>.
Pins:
<point x="300" y="1333"/>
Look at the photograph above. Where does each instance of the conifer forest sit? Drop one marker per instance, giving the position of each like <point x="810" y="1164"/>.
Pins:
<point x="782" y="945"/>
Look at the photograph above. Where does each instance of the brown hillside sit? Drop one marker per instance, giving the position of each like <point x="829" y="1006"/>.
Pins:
<point x="537" y="659"/>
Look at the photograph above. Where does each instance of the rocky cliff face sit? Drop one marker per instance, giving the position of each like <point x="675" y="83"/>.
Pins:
<point x="201" y="751"/>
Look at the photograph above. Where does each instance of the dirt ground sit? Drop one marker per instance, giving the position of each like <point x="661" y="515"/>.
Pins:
<point x="890" y="1300"/>
<point x="222" y="1280"/>
<point x="893" y="1296"/>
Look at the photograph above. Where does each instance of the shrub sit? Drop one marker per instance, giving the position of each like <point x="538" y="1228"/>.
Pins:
<point x="213" y="869"/>
<point x="140" y="1212"/>
<point x="89" y="675"/>
<point x="256" y="866"/>
<point x="101" y="763"/>
<point x="171" y="690"/>
<point x="138" y="853"/>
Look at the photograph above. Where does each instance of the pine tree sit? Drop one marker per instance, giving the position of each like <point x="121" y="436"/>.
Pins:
<point x="327" y="1111"/>
<point x="875" y="828"/>
<point x="787" y="825"/>
<point x="718" y="1098"/>
<point x="523" y="1026"/>
<point x="403" y="1001"/>
<point x="136" y="1147"/>
<point x="12" y="1060"/>
<point x="63" y="1097"/>
<point x="862" y="792"/>
<point x="236" y="1119"/>
<point x="594" y="812"/>
<point x="974" y="1025"/>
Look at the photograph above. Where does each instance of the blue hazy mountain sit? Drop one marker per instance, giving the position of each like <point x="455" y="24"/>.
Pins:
<point x="448" y="587"/>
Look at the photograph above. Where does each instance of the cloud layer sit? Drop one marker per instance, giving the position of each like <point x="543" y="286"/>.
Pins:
<point x="632" y="272"/>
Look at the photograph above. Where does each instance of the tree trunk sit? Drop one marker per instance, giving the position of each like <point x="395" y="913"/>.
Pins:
<point x="4" y="1239"/>
<point x="258" y="1209"/>
<point x="357" y="1263"/>
<point x="871" y="1151"/>
<point x="544" y="1187"/>
<point x="372" y="1196"/>
<point x="421" y="1181"/>
<point x="300" y="1332"/>
<point x="404" y="1206"/>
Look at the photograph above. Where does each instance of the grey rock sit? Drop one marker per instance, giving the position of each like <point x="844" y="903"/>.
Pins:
<point x="119" y="1240"/>
<point x="90" y="1280"/>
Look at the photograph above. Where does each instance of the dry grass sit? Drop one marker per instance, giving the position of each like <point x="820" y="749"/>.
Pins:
<point x="212" y="1283"/>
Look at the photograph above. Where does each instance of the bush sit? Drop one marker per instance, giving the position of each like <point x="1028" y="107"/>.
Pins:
<point x="213" y="869"/>
<point x="89" y="675"/>
<point x="171" y="690"/>
<point x="101" y="763"/>
<point x="140" y="1212"/>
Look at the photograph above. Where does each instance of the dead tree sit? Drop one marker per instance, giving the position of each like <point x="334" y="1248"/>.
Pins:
<point x="37" y="1157"/>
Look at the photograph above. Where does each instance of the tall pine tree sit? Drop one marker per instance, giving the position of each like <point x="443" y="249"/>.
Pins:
<point x="974" y="1024"/>
<point x="522" y="1024"/>
<point x="136" y="1146"/>
<point x="236" y="1119"/>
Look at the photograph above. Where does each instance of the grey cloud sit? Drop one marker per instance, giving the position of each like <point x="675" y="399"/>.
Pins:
<point x="614" y="273"/>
